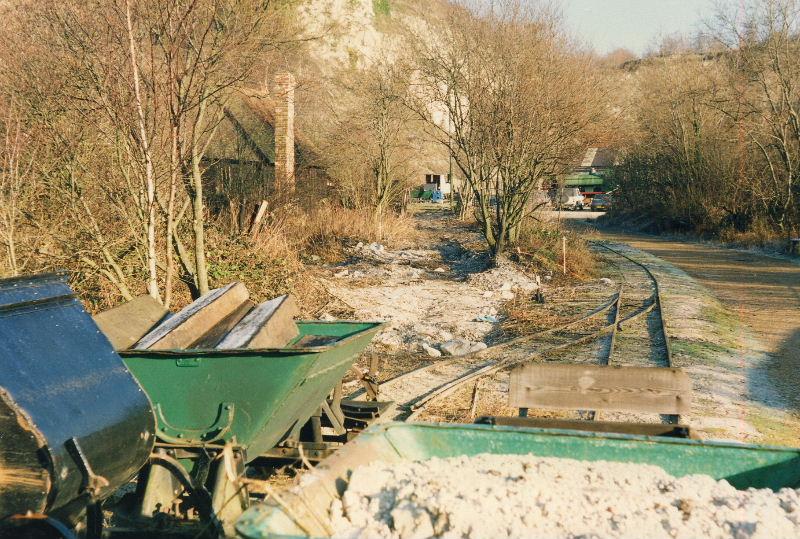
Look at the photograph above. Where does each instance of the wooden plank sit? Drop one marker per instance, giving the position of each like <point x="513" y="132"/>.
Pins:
<point x="196" y="319"/>
<point x="269" y="325"/>
<point x="595" y="387"/>
<point x="256" y="226"/>
<point x="213" y="336"/>
<point x="125" y="324"/>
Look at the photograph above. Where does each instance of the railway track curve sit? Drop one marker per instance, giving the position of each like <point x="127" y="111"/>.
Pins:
<point x="634" y="309"/>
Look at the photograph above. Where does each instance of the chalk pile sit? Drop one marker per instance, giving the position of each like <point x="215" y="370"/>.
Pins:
<point x="531" y="497"/>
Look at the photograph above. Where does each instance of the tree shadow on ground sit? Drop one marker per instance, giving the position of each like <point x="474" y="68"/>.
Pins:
<point x="463" y="262"/>
<point x="781" y="375"/>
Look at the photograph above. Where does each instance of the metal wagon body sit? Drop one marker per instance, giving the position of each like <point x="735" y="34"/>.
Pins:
<point x="251" y="398"/>
<point x="74" y="423"/>
<point x="218" y="410"/>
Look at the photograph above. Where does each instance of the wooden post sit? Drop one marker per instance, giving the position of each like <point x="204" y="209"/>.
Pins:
<point x="564" y="252"/>
<point x="256" y="225"/>
<point x="474" y="405"/>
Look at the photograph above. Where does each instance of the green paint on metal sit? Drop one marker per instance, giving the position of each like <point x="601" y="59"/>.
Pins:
<point x="250" y="397"/>
<point x="744" y="466"/>
<point x="580" y="180"/>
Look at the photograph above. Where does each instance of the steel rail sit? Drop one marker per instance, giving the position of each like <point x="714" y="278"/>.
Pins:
<point x="494" y="348"/>
<point x="615" y="327"/>
<point x="658" y="299"/>
<point x="454" y="384"/>
<point x="419" y="406"/>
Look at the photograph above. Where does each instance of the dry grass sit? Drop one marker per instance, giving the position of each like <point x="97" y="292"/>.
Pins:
<point x="330" y="228"/>
<point x="760" y="234"/>
<point x="282" y="258"/>
<point x="327" y="229"/>
<point x="540" y="248"/>
<point x="525" y="317"/>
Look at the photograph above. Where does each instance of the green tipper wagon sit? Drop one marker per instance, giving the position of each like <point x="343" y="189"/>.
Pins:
<point x="216" y="410"/>
<point x="251" y="398"/>
<point x="304" y="512"/>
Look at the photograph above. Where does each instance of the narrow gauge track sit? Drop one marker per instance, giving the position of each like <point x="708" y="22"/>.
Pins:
<point x="413" y="388"/>
<point x="638" y="298"/>
<point x="644" y="296"/>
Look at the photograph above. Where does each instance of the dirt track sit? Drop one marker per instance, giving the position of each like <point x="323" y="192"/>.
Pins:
<point x="763" y="292"/>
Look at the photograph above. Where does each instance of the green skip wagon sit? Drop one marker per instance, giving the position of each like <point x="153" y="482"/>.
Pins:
<point x="251" y="398"/>
<point x="304" y="512"/>
<point x="218" y="410"/>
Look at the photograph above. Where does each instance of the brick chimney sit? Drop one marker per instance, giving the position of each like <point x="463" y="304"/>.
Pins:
<point x="284" y="132"/>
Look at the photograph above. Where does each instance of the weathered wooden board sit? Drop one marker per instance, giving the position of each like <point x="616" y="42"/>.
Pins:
<point x="590" y="387"/>
<point x="196" y="319"/>
<point x="125" y="324"/>
<point x="212" y="338"/>
<point x="269" y="325"/>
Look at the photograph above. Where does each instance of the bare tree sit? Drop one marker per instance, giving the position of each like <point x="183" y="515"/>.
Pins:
<point x="508" y="99"/>
<point x="371" y="143"/>
<point x="134" y="94"/>
<point x="680" y="155"/>
<point x="717" y="140"/>
<point x="764" y="44"/>
<point x="17" y="187"/>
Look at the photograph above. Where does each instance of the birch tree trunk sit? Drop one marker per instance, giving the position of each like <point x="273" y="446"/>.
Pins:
<point x="150" y="183"/>
<point x="201" y="269"/>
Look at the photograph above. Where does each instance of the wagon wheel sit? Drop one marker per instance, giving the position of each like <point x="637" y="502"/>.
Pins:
<point x="163" y="473"/>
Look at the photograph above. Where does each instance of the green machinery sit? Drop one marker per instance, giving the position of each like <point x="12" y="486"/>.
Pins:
<point x="217" y="410"/>
<point x="304" y="513"/>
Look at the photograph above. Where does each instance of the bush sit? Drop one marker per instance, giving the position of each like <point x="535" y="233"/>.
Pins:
<point x="326" y="230"/>
<point x="280" y="259"/>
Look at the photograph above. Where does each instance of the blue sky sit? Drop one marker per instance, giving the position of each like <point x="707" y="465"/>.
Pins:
<point x="634" y="24"/>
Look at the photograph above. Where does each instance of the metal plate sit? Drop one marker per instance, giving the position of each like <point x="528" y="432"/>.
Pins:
<point x="62" y="374"/>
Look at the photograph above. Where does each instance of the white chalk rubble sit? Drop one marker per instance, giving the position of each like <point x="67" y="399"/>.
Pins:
<point x="523" y="496"/>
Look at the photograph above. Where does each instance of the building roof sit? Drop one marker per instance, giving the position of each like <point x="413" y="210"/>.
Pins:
<point x="247" y="133"/>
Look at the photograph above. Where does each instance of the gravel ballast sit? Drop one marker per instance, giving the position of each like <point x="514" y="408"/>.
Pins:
<point x="523" y="496"/>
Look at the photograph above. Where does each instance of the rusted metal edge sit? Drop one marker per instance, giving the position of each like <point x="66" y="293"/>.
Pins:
<point x="11" y="478"/>
<point x="60" y="276"/>
<point x="215" y="352"/>
<point x="26" y="306"/>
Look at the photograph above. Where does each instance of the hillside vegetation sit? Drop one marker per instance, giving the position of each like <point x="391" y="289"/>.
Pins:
<point x="138" y="149"/>
<point x="713" y="137"/>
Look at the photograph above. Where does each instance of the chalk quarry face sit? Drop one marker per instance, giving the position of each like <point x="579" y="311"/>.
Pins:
<point x="490" y="496"/>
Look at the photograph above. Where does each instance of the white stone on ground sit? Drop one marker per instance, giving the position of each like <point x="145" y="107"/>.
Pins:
<point x="461" y="347"/>
<point x="430" y="350"/>
<point x="523" y="496"/>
